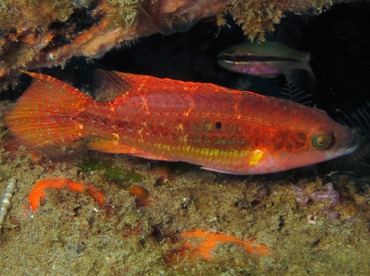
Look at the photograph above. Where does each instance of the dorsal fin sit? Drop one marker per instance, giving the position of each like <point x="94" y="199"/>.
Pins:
<point x="112" y="84"/>
<point x="109" y="85"/>
<point x="133" y="81"/>
<point x="115" y="86"/>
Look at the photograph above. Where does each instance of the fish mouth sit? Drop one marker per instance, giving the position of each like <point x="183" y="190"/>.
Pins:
<point x="352" y="144"/>
<point x="349" y="150"/>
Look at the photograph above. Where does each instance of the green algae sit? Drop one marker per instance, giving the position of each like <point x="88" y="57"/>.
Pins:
<point x="110" y="171"/>
<point x="256" y="17"/>
<point x="12" y="13"/>
<point x="126" y="12"/>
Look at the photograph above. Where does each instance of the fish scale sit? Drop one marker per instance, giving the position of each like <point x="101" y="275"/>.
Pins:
<point x="220" y="129"/>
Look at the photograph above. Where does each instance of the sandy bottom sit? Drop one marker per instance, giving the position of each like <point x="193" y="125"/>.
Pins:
<point x="71" y="234"/>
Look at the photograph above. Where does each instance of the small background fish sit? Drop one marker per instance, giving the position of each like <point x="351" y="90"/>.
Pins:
<point x="269" y="60"/>
<point x="265" y="59"/>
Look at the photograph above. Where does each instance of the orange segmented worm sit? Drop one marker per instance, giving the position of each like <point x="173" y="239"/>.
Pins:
<point x="38" y="191"/>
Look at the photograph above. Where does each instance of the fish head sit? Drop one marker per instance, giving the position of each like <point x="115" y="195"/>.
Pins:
<point x="307" y="139"/>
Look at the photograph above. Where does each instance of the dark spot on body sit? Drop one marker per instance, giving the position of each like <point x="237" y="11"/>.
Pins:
<point x="279" y="145"/>
<point x="301" y="136"/>
<point x="103" y="122"/>
<point x="84" y="118"/>
<point x="120" y="124"/>
<point x="218" y="125"/>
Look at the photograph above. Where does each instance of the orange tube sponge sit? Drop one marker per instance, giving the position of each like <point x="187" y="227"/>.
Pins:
<point x="141" y="195"/>
<point x="38" y="191"/>
<point x="190" y="250"/>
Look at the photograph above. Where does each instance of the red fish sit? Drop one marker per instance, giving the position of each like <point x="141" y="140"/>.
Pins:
<point x="220" y="129"/>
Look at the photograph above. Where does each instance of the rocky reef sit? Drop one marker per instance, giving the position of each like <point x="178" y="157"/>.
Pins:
<point x="35" y="34"/>
<point x="72" y="211"/>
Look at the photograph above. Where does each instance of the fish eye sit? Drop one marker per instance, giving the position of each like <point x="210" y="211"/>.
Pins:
<point x="321" y="139"/>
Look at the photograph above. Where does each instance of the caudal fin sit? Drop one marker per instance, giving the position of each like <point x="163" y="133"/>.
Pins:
<point x="44" y="115"/>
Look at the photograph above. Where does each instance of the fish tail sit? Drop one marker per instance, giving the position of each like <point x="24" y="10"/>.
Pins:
<point x="306" y="66"/>
<point x="44" y="115"/>
<point x="305" y="78"/>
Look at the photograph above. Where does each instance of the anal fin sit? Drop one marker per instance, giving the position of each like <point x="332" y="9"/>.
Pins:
<point x="113" y="146"/>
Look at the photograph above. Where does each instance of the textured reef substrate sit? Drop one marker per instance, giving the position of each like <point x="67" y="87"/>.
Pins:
<point x="309" y="225"/>
<point x="71" y="234"/>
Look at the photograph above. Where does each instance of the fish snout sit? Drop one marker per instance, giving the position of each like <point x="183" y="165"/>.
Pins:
<point x="347" y="141"/>
<point x="354" y="141"/>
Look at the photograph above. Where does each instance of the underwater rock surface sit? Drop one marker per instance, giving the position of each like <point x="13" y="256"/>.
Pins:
<point x="35" y="34"/>
<point x="311" y="220"/>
